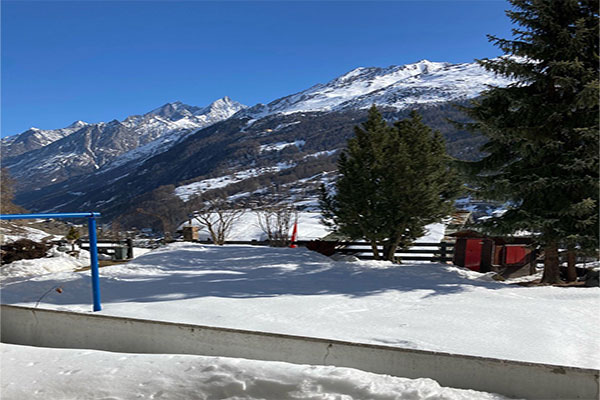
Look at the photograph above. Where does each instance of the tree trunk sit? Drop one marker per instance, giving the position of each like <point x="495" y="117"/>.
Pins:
<point x="390" y="252"/>
<point x="571" y="271"/>
<point x="551" y="264"/>
<point x="375" y="251"/>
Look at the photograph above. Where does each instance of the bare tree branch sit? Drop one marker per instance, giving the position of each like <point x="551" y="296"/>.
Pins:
<point x="218" y="217"/>
<point x="275" y="221"/>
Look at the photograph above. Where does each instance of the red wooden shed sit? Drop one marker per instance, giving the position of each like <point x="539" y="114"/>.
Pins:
<point x="510" y="257"/>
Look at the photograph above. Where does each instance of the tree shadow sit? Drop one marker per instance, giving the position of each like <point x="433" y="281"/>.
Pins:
<point x="193" y="271"/>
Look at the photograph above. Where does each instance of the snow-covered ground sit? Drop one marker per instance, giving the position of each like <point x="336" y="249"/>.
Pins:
<point x="55" y="261"/>
<point x="422" y="306"/>
<point x="39" y="373"/>
<point x="309" y="227"/>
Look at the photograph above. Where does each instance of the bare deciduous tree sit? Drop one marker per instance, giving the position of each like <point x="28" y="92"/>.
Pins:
<point x="276" y="222"/>
<point x="218" y="217"/>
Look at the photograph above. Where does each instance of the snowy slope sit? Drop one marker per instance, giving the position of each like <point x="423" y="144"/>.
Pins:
<point x="399" y="87"/>
<point x="42" y="373"/>
<point x="294" y="291"/>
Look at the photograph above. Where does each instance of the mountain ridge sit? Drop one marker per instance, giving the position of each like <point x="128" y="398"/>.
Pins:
<point x="60" y="154"/>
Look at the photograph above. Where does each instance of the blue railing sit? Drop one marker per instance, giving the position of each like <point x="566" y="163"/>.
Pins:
<point x="91" y="216"/>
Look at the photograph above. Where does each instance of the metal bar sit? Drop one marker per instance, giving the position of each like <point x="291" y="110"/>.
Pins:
<point x="94" y="263"/>
<point x="91" y="216"/>
<point x="45" y="216"/>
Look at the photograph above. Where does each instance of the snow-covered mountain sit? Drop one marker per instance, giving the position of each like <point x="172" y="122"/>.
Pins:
<point x="81" y="148"/>
<point x="169" y="124"/>
<point x="398" y="87"/>
<point x="35" y="138"/>
<point x="227" y="149"/>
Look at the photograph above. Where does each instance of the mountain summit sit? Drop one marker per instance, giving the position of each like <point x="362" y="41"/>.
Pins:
<point x="398" y="87"/>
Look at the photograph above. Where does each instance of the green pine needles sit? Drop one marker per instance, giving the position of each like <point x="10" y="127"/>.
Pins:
<point x="394" y="180"/>
<point x="542" y="153"/>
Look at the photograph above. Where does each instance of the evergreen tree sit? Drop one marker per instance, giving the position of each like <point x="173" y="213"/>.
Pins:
<point x="393" y="181"/>
<point x="72" y="236"/>
<point x="542" y="153"/>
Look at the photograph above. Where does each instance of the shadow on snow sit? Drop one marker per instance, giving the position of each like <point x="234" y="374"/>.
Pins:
<point x="193" y="271"/>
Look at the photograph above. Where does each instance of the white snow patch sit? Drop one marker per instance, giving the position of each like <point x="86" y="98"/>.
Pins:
<point x="55" y="262"/>
<point x="34" y="372"/>
<point x="186" y="191"/>
<point x="322" y="153"/>
<point x="25" y="232"/>
<point x="281" y="145"/>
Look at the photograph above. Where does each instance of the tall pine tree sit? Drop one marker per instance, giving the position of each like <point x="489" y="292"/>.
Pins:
<point x="542" y="153"/>
<point x="393" y="181"/>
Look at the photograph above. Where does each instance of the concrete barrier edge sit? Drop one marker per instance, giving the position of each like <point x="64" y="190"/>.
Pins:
<point x="63" y="329"/>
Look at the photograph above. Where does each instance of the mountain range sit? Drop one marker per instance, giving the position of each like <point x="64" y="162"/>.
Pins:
<point x="181" y="154"/>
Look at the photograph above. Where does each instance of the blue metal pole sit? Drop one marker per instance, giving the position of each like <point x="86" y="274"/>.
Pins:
<point x="91" y="216"/>
<point x="94" y="263"/>
<point x="57" y="215"/>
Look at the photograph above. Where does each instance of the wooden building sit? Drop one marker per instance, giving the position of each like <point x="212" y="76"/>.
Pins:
<point x="510" y="257"/>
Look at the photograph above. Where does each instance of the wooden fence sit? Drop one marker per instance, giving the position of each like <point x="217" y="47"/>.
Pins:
<point x="434" y="252"/>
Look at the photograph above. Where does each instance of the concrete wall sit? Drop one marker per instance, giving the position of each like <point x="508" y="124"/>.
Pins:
<point x="29" y="326"/>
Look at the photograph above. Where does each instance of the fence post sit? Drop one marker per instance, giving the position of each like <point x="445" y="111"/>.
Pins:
<point x="94" y="263"/>
<point x="443" y="251"/>
<point x="130" y="248"/>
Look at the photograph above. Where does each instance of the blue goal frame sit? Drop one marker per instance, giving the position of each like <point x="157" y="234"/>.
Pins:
<point x="91" y="216"/>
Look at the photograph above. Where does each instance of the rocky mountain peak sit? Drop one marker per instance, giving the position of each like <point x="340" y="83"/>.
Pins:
<point x="173" y="111"/>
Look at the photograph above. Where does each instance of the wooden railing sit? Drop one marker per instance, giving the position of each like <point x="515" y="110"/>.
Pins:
<point x="434" y="252"/>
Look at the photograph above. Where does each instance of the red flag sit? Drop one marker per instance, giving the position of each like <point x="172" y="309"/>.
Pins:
<point x="294" y="235"/>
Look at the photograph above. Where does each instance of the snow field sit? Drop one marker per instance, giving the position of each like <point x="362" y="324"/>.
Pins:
<point x="43" y="373"/>
<point x="294" y="291"/>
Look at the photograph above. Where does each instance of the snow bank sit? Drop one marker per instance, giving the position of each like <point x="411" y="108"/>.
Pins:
<point x="60" y="373"/>
<point x="294" y="291"/>
<point x="55" y="262"/>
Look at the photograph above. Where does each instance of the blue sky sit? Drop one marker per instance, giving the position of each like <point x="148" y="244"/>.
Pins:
<point x="97" y="61"/>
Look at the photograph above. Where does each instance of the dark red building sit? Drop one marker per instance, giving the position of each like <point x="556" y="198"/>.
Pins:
<point x="510" y="257"/>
